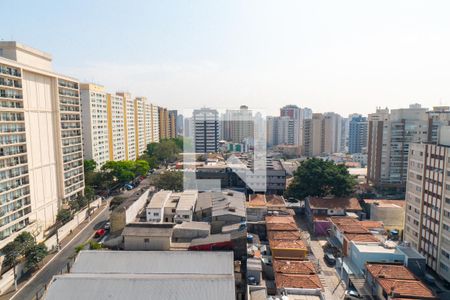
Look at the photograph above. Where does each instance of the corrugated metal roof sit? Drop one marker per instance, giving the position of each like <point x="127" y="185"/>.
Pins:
<point x="154" y="262"/>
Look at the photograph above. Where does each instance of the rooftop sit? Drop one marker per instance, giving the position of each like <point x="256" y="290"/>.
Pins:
<point x="389" y="271"/>
<point x="334" y="203"/>
<point x="293" y="267"/>
<point x="297" y="281"/>
<point x="287" y="244"/>
<point x="370" y="224"/>
<point x="281" y="227"/>
<point x="145" y="229"/>
<point x="153" y="262"/>
<point x="159" y="199"/>
<point x="275" y="200"/>
<point x="352" y="228"/>
<point x="284" y="235"/>
<point x="257" y="200"/>
<point x="280" y="220"/>
<point x="369" y="247"/>
<point x="187" y="200"/>
<point x="386" y="202"/>
<point x="406" y="288"/>
<point x="361" y="237"/>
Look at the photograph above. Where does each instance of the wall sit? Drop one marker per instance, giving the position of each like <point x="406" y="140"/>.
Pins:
<point x="137" y="243"/>
<point x="392" y="217"/>
<point x="134" y="208"/>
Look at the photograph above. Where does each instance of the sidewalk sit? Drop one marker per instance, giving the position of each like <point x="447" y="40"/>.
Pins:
<point x="23" y="280"/>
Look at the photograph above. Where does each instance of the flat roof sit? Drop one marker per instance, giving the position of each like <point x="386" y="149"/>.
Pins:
<point x="159" y="199"/>
<point x="372" y="248"/>
<point x="187" y="200"/>
<point x="153" y="262"/>
<point x="147" y="229"/>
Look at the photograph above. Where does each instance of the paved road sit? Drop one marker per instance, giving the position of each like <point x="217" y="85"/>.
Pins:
<point x="36" y="284"/>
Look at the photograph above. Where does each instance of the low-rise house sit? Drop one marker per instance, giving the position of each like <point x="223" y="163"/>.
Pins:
<point x="318" y="210"/>
<point x="128" y="210"/>
<point x="144" y="236"/>
<point x="389" y="281"/>
<point x="171" y="207"/>
<point x="280" y="223"/>
<point x="296" y="277"/>
<point x="187" y="231"/>
<point x="259" y="205"/>
<point x="220" y="209"/>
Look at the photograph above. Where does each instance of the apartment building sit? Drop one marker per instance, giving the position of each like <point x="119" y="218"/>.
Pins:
<point x="173" y="115"/>
<point x="313" y="135"/>
<point x="237" y="125"/>
<point x="41" y="158"/>
<point x="139" y="120"/>
<point x="390" y="134"/>
<point x="116" y="127"/>
<point x="206" y="130"/>
<point x="163" y="117"/>
<point x="427" y="211"/>
<point x="95" y="123"/>
<point x="129" y="125"/>
<point x="358" y="130"/>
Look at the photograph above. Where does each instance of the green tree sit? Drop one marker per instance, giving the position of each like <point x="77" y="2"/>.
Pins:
<point x="64" y="216"/>
<point x="34" y="255"/>
<point x="317" y="177"/>
<point x="89" y="165"/>
<point x="93" y="245"/>
<point x="11" y="253"/>
<point x="116" y="201"/>
<point x="25" y="240"/>
<point x="141" y="167"/>
<point x="122" y="171"/>
<point x="169" y="181"/>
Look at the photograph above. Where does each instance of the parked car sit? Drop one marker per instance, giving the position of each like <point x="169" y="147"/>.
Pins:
<point x="351" y="294"/>
<point x="129" y="186"/>
<point x="107" y="226"/>
<point x="329" y="259"/>
<point x="100" y="233"/>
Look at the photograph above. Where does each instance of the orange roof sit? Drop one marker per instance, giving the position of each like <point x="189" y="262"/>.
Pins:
<point x="334" y="203"/>
<point x="280" y="220"/>
<point x="281" y="227"/>
<point x="275" y="200"/>
<point x="294" y="267"/>
<point x="389" y="271"/>
<point x="257" y="200"/>
<point x="297" y="281"/>
<point x="343" y="220"/>
<point x="352" y="228"/>
<point x="405" y="288"/>
<point x="287" y="244"/>
<point x="284" y="235"/>
<point x="370" y="224"/>
<point x="361" y="237"/>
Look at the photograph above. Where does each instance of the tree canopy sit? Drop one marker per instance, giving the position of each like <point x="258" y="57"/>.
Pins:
<point x="169" y="181"/>
<point x="317" y="177"/>
<point x="125" y="170"/>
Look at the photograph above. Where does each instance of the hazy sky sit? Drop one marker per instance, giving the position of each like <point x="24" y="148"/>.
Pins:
<point x="342" y="56"/>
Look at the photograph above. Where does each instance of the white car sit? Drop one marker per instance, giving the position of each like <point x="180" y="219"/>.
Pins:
<point x="351" y="294"/>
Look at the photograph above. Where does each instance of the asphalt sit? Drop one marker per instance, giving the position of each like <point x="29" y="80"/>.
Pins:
<point x="36" y="285"/>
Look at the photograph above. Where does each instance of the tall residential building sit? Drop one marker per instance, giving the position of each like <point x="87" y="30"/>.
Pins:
<point x="390" y="135"/>
<point x="179" y="125"/>
<point x="163" y="117"/>
<point x="358" y="130"/>
<point x="294" y="113"/>
<point x="173" y="115"/>
<point x="437" y="117"/>
<point x="313" y="135"/>
<point x="139" y="125"/>
<point x="151" y="124"/>
<point x="95" y="123"/>
<point x="116" y="127"/>
<point x="334" y="133"/>
<point x="238" y="125"/>
<point x="41" y="157"/>
<point x="206" y="130"/>
<point x="427" y="219"/>
<point x="129" y="125"/>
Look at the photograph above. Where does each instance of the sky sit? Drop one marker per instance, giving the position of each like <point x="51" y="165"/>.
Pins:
<point x="342" y="56"/>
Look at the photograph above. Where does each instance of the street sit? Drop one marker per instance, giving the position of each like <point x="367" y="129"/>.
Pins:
<point x="37" y="283"/>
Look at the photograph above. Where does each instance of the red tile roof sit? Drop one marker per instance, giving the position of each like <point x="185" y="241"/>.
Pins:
<point x="297" y="281"/>
<point x="370" y="224"/>
<point x="257" y="200"/>
<point x="275" y="200"/>
<point x="284" y="235"/>
<point x="281" y="227"/>
<point x="361" y="237"/>
<point x="294" y="267"/>
<point x="280" y="219"/>
<point x="389" y="271"/>
<point x="287" y="244"/>
<point x="335" y="203"/>
<point x="343" y="220"/>
<point x="405" y="288"/>
<point x="352" y="228"/>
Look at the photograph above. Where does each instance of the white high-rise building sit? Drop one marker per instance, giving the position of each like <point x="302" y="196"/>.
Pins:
<point x="206" y="130"/>
<point x="41" y="157"/>
<point x="95" y="123"/>
<point x="237" y="125"/>
<point x="116" y="127"/>
<point x="129" y="125"/>
<point x="139" y="121"/>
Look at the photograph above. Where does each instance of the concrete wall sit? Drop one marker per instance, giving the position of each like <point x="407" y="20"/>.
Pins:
<point x="133" y="210"/>
<point x="138" y="243"/>
<point x="392" y="217"/>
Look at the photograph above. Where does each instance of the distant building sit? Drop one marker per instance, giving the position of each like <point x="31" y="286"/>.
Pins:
<point x="171" y="207"/>
<point x="237" y="125"/>
<point x="358" y="130"/>
<point x="142" y="236"/>
<point x="173" y="119"/>
<point x="206" y="130"/>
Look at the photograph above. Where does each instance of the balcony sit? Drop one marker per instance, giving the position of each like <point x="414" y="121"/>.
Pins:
<point x="10" y="71"/>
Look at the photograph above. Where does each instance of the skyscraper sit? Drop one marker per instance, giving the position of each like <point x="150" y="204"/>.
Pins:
<point x="238" y="125"/>
<point x="95" y="123"/>
<point x="116" y="127"/>
<point x="390" y="135"/>
<point x="358" y="130"/>
<point x="41" y="157"/>
<point x="129" y="125"/>
<point x="206" y="130"/>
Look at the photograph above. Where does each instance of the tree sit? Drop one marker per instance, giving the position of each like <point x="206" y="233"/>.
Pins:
<point x="89" y="165"/>
<point x="317" y="177"/>
<point x="141" y="167"/>
<point x="25" y="240"/>
<point x="116" y="201"/>
<point x="34" y="255"/>
<point x="122" y="171"/>
<point x="11" y="252"/>
<point x="151" y="160"/>
<point x="169" y="181"/>
<point x="93" y="245"/>
<point x="64" y="216"/>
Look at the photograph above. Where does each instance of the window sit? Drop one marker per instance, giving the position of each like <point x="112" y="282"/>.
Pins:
<point x="156" y="214"/>
<point x="146" y="240"/>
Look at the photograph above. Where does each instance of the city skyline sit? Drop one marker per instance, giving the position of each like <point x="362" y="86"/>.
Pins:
<point x="266" y="55"/>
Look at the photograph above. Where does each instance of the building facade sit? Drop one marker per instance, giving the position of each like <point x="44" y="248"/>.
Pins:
<point x="116" y="127"/>
<point x="357" y="132"/>
<point x="41" y="157"/>
<point x="206" y="130"/>
<point x="94" y="114"/>
<point x="427" y="211"/>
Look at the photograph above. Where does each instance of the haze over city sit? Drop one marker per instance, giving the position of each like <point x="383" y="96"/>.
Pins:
<point x="342" y="56"/>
